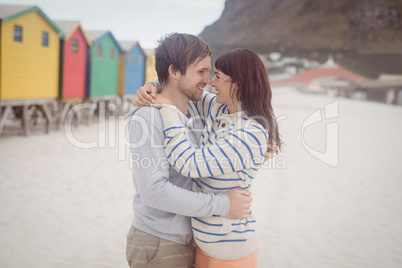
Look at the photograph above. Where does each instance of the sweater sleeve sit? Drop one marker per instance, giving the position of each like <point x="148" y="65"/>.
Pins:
<point x="237" y="150"/>
<point x="205" y="105"/>
<point x="151" y="172"/>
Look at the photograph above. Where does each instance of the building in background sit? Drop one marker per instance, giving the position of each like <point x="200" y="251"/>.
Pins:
<point x="133" y="68"/>
<point x="29" y="59"/>
<point x="104" y="64"/>
<point x="150" y="71"/>
<point x="74" y="49"/>
<point x="326" y="72"/>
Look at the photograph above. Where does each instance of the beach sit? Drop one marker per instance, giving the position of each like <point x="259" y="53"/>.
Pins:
<point x="63" y="205"/>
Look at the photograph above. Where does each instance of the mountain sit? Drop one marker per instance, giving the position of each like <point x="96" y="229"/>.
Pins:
<point x="312" y="29"/>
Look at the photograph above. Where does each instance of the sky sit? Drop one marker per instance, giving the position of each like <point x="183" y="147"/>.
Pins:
<point x="145" y="21"/>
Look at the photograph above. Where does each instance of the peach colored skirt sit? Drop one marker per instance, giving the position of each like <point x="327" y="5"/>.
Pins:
<point x="203" y="260"/>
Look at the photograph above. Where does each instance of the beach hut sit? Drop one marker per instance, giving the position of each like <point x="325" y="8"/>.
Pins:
<point x="120" y="82"/>
<point x="29" y="53"/>
<point x="150" y="71"/>
<point x="73" y="59"/>
<point x="29" y="63"/>
<point x="134" y="67"/>
<point x="104" y="64"/>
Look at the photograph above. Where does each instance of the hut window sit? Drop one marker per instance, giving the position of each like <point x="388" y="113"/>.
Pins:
<point x="99" y="50"/>
<point x="112" y="53"/>
<point x="45" y="39"/>
<point x="17" y="33"/>
<point x="139" y="59"/>
<point x="74" y="46"/>
<point x="130" y="58"/>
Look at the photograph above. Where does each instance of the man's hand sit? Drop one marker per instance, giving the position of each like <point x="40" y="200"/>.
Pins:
<point x="145" y="95"/>
<point x="240" y="203"/>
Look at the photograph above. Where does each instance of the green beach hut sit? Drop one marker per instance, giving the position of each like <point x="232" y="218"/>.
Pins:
<point x="103" y="64"/>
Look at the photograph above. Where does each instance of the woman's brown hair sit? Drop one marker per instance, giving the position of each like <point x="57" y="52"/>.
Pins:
<point x="248" y="73"/>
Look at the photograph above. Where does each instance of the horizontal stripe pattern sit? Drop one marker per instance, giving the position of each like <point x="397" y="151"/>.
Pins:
<point x="231" y="152"/>
<point x="240" y="148"/>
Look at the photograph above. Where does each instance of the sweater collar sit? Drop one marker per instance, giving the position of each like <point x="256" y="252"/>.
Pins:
<point x="234" y="115"/>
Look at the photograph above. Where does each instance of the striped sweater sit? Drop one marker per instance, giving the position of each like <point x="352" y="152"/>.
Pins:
<point x="231" y="151"/>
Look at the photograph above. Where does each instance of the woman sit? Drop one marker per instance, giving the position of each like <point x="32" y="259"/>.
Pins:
<point x="239" y="125"/>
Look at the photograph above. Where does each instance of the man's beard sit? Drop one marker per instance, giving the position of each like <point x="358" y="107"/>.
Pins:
<point x="189" y="92"/>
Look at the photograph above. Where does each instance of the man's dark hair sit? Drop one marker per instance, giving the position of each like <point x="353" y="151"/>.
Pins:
<point x="179" y="50"/>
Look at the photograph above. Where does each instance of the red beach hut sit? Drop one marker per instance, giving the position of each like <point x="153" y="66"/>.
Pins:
<point x="73" y="60"/>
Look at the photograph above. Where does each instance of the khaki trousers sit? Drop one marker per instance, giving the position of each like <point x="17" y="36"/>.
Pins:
<point x="148" y="251"/>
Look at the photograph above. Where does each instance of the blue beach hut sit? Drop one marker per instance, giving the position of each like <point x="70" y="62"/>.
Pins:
<point x="134" y="66"/>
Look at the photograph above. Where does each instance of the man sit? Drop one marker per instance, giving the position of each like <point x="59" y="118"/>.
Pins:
<point x="161" y="234"/>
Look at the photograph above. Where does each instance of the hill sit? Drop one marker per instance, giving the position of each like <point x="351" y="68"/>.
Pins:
<point x="313" y="29"/>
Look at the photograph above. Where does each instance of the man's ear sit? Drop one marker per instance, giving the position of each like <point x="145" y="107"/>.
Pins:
<point x="173" y="72"/>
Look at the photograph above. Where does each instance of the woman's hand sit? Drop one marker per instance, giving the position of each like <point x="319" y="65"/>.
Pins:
<point x="145" y="95"/>
<point x="162" y="102"/>
<point x="272" y="150"/>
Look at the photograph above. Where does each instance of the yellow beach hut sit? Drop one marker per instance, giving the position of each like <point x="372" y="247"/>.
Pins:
<point x="29" y="57"/>
<point x="150" y="71"/>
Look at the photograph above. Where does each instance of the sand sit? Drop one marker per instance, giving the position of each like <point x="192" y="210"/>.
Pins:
<point x="64" y="206"/>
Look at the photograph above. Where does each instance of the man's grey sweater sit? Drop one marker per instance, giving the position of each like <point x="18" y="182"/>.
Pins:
<point x="163" y="201"/>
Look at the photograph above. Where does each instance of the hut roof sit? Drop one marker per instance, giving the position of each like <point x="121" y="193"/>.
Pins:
<point x="94" y="36"/>
<point x="149" y="51"/>
<point x="129" y="45"/>
<point x="69" y="26"/>
<point x="7" y="11"/>
<point x="10" y="12"/>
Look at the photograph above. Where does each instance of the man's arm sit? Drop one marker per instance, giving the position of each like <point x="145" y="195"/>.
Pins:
<point x="151" y="175"/>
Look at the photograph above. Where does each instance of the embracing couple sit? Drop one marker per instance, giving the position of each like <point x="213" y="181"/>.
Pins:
<point x="194" y="208"/>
